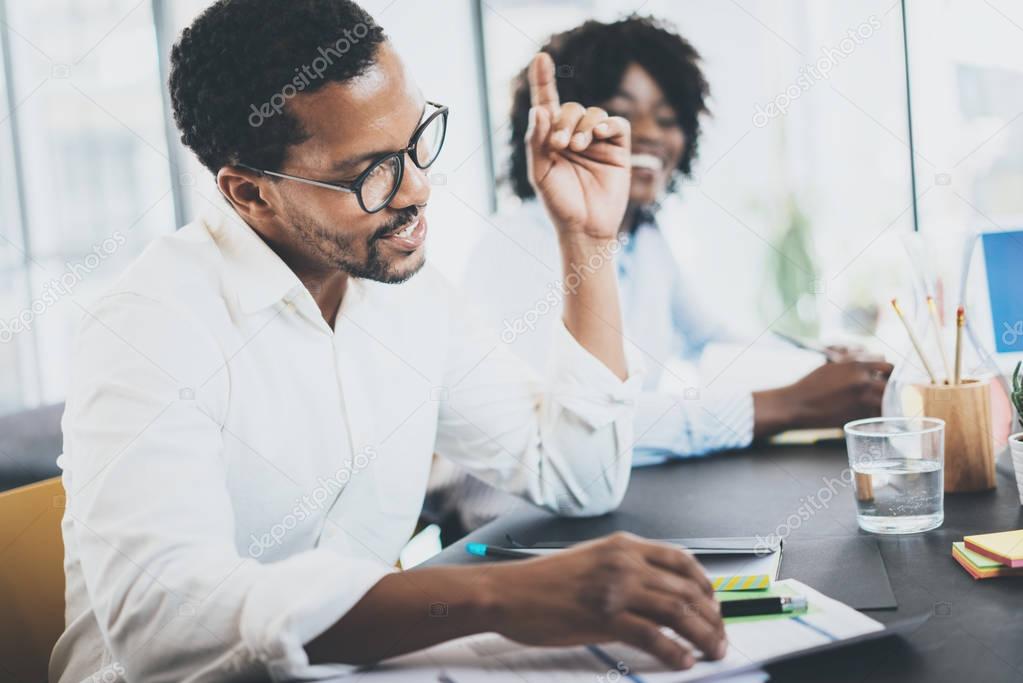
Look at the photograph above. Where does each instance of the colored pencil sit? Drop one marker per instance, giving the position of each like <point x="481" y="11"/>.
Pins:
<point x="960" y="321"/>
<point x="933" y="307"/>
<point x="914" y="341"/>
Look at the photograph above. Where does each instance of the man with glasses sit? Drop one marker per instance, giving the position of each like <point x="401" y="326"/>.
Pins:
<point x="254" y="407"/>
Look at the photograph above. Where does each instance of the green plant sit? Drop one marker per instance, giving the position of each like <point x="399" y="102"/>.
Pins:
<point x="1017" y="391"/>
<point x="792" y="266"/>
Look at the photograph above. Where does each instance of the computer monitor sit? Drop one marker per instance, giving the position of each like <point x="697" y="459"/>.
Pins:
<point x="1003" y="263"/>
<point x="992" y="291"/>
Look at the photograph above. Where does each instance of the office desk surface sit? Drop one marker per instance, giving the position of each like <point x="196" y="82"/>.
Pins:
<point x="975" y="632"/>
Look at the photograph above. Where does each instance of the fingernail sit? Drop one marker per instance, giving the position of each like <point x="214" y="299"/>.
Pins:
<point x="601" y="128"/>
<point x="560" y="138"/>
<point x="722" y="649"/>
<point x="687" y="661"/>
<point x="579" y="139"/>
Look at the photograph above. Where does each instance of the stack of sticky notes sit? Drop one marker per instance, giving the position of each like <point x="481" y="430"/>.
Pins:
<point x="986" y="556"/>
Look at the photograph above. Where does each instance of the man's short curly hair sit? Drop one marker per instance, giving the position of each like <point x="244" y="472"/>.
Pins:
<point x="239" y="63"/>
<point x="591" y="60"/>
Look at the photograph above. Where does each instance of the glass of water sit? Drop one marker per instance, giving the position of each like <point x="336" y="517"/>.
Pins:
<point x="898" y="467"/>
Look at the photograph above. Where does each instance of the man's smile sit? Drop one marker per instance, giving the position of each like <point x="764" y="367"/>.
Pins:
<point x="410" y="236"/>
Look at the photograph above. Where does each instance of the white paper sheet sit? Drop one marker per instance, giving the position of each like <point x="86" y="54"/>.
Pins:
<point x="490" y="657"/>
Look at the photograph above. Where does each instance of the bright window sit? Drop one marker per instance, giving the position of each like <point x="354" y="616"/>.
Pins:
<point x="85" y="123"/>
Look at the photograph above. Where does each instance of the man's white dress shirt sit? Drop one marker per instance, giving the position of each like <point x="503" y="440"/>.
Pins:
<point x="239" y="474"/>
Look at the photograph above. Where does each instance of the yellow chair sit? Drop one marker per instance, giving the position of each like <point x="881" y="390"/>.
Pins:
<point x="31" y="579"/>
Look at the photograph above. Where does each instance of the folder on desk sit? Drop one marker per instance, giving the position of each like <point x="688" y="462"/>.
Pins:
<point x="806" y="437"/>
<point x="732" y="563"/>
<point x="848" y="568"/>
<point x="718" y="545"/>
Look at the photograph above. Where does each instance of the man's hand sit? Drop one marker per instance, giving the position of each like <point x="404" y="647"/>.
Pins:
<point x="830" y="396"/>
<point x="620" y="588"/>
<point x="578" y="159"/>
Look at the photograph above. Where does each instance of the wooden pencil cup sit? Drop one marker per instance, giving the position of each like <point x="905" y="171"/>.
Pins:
<point x="969" y="445"/>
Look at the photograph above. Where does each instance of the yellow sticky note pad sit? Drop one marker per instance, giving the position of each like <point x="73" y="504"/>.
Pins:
<point x="1005" y="546"/>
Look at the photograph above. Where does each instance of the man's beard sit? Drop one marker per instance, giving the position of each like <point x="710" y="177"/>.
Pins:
<point x="336" y="249"/>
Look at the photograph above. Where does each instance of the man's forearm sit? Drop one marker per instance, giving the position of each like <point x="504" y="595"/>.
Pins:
<point x="409" y="611"/>
<point x="592" y="312"/>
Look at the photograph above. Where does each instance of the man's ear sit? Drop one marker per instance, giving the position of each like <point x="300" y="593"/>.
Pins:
<point x="246" y="190"/>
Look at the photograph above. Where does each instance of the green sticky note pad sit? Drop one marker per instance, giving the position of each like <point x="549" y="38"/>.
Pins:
<point x="976" y="559"/>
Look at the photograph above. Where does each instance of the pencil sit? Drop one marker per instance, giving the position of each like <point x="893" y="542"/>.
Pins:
<point x="937" y="337"/>
<point x="914" y="341"/>
<point x="960" y="321"/>
<point x="484" y="550"/>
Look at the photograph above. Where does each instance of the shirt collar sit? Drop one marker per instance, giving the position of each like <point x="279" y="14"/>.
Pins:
<point x="258" y="276"/>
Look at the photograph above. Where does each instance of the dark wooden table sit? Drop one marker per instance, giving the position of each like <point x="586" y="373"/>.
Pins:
<point x="975" y="633"/>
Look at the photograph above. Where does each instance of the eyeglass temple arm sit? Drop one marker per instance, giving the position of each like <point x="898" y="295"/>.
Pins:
<point x="308" y="181"/>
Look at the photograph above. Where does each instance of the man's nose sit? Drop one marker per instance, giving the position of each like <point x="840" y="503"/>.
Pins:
<point x="414" y="188"/>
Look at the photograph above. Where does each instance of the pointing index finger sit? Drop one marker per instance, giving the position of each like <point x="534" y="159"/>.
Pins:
<point x="543" y="90"/>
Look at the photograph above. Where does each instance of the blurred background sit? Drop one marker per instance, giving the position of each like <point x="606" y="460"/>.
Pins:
<point x="837" y="129"/>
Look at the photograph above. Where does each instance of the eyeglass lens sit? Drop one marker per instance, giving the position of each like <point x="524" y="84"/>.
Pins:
<point x="379" y="186"/>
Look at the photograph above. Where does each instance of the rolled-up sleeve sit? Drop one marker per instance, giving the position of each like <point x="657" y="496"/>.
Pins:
<point x="150" y="521"/>
<point x="562" y="441"/>
<point x="692" y="424"/>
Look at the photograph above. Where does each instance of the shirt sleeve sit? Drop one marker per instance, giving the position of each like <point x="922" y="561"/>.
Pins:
<point x="692" y="424"/>
<point x="151" y="523"/>
<point x="563" y="441"/>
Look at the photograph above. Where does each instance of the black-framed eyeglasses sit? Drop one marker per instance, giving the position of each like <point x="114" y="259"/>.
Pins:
<point x="376" y="186"/>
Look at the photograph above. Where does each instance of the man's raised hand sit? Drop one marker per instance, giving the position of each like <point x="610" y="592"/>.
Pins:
<point x="578" y="159"/>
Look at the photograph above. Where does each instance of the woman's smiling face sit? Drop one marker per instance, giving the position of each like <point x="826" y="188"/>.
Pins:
<point x="658" y="142"/>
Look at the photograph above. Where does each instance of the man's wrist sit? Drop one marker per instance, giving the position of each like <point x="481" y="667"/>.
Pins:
<point x="486" y="598"/>
<point x="579" y="244"/>
<point x="582" y="255"/>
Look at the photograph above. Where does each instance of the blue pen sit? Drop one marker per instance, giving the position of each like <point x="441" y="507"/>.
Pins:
<point x="484" y="550"/>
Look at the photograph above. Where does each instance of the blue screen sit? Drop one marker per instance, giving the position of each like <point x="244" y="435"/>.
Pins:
<point x="1003" y="256"/>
